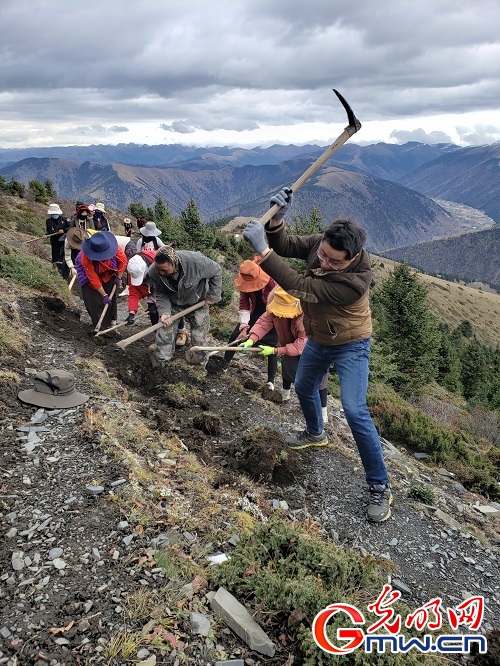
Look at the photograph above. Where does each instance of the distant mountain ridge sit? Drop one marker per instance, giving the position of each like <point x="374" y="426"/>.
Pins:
<point x="468" y="176"/>
<point x="392" y="215"/>
<point x="473" y="257"/>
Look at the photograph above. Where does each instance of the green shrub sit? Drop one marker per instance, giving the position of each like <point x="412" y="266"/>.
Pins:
<point x="21" y="219"/>
<point x="422" y="494"/>
<point x="458" y="451"/>
<point x="31" y="272"/>
<point x="290" y="575"/>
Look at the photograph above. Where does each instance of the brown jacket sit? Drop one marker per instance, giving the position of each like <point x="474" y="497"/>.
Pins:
<point x="336" y="304"/>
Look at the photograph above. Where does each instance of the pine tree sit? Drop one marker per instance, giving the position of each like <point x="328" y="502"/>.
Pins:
<point x="49" y="189"/>
<point x="474" y="374"/>
<point x="137" y="210"/>
<point x="408" y="328"/>
<point x="38" y="191"/>
<point x="193" y="226"/>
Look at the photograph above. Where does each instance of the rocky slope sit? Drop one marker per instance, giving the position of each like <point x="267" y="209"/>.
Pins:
<point x="157" y="461"/>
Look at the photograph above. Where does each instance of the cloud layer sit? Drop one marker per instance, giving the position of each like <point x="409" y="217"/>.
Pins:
<point x="97" y="69"/>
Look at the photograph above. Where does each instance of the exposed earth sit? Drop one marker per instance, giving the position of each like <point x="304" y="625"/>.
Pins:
<point x="69" y="558"/>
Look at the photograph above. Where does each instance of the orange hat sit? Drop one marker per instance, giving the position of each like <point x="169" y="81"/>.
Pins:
<point x="251" y="277"/>
<point x="284" y="305"/>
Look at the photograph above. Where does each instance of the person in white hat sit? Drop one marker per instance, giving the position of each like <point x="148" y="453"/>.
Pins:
<point x="140" y="286"/>
<point x="150" y="238"/>
<point x="56" y="224"/>
<point x="100" y="220"/>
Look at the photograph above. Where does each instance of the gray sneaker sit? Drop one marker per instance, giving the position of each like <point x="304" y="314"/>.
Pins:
<point x="379" y="507"/>
<point x="305" y="439"/>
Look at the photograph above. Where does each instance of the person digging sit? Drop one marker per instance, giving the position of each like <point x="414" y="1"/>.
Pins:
<point x="334" y="292"/>
<point x="284" y="314"/>
<point x="180" y="279"/>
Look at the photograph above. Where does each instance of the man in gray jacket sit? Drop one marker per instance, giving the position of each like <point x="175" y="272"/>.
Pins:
<point x="180" y="279"/>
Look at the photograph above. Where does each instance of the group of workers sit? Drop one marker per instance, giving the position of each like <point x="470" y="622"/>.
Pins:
<point x="309" y="320"/>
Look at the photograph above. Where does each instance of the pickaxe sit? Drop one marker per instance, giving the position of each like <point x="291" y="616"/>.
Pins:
<point x="353" y="127"/>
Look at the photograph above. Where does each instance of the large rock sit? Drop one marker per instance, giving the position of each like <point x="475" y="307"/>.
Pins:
<point x="240" y="621"/>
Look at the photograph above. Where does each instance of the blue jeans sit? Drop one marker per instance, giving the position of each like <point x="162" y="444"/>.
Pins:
<point x="351" y="363"/>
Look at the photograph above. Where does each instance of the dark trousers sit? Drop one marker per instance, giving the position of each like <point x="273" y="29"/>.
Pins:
<point x="93" y="303"/>
<point x="270" y="339"/>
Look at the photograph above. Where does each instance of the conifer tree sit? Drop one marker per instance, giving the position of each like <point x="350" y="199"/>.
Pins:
<point x="38" y="191"/>
<point x="474" y="372"/>
<point x="408" y="328"/>
<point x="49" y="189"/>
<point x="193" y="226"/>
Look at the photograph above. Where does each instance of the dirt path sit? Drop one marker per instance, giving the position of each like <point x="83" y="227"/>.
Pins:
<point x="47" y="507"/>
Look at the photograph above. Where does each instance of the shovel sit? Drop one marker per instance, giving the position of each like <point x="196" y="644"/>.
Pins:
<point x="194" y="358"/>
<point x="128" y="341"/>
<point x="104" y="310"/>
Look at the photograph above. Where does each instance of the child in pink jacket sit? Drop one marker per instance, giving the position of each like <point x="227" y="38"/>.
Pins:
<point x="284" y="313"/>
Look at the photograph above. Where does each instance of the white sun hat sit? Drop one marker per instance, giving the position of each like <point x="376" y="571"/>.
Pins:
<point x="137" y="269"/>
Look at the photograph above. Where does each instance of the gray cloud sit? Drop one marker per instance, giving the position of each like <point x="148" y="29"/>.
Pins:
<point x="180" y="126"/>
<point x="247" y="64"/>
<point x="403" y="136"/>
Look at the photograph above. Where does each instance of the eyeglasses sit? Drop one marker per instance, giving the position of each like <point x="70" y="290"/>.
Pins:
<point x="335" y="265"/>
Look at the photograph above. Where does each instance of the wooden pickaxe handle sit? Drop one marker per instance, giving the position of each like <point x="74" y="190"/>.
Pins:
<point x="224" y="349"/>
<point x="353" y="127"/>
<point x="123" y="323"/>
<point x="32" y="240"/>
<point x="133" y="338"/>
<point x="104" y="310"/>
<point x="71" y="282"/>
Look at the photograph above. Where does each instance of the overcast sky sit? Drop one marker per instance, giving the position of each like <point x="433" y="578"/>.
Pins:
<point x="247" y="72"/>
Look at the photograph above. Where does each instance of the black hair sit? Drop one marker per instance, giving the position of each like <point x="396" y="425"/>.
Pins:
<point x="345" y="235"/>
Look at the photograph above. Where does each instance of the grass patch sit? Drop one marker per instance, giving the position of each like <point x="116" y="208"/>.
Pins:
<point x="22" y="219"/>
<point x="31" y="272"/>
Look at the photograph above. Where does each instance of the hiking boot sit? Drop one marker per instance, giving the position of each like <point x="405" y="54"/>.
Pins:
<point x="304" y="439"/>
<point x="379" y="508"/>
<point x="285" y="394"/>
<point x="181" y="337"/>
<point x="114" y="322"/>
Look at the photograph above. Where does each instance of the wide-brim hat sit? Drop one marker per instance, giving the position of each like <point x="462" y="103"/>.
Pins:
<point x="53" y="389"/>
<point x="251" y="277"/>
<point x="100" y="246"/>
<point x="150" y="229"/>
<point x="137" y="269"/>
<point x="100" y="206"/>
<point x="54" y="209"/>
<point x="75" y="237"/>
<point x="284" y="305"/>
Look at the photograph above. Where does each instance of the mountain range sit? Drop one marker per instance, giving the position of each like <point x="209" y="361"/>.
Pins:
<point x="472" y="257"/>
<point x="386" y="188"/>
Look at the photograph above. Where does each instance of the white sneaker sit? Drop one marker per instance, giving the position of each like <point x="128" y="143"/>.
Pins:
<point x="324" y="414"/>
<point x="114" y="322"/>
<point x="270" y="386"/>
<point x="285" y="394"/>
<point x="124" y="292"/>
